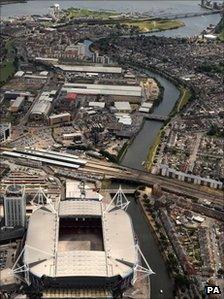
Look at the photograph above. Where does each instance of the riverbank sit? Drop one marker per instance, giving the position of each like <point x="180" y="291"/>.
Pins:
<point x="185" y="96"/>
<point x="146" y="26"/>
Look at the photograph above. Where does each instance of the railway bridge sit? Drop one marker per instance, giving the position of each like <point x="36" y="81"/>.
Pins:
<point x="74" y="165"/>
<point x="190" y="14"/>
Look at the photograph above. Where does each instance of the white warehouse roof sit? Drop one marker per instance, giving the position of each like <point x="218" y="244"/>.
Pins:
<point x="41" y="107"/>
<point x="120" y="90"/>
<point x="122" y="106"/>
<point x="89" y="68"/>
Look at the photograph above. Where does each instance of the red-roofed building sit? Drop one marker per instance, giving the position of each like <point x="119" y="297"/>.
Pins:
<point x="71" y="96"/>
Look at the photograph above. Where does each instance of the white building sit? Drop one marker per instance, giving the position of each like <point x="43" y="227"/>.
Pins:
<point x="15" y="206"/>
<point x="124" y="107"/>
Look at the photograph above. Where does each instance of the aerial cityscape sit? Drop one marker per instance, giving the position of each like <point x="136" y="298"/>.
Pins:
<point x="112" y="149"/>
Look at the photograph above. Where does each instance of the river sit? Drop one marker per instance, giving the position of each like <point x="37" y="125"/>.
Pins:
<point x="138" y="149"/>
<point x="154" y="8"/>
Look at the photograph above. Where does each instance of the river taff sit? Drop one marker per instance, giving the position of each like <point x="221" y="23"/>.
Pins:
<point x="138" y="149"/>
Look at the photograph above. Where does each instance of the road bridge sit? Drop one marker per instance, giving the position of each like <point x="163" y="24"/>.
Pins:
<point x="190" y="14"/>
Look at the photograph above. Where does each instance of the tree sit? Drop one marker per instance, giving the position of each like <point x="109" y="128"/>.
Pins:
<point x="221" y="271"/>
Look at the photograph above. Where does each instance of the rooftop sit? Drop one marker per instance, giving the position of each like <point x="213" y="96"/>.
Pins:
<point x="116" y="257"/>
<point x="89" y="68"/>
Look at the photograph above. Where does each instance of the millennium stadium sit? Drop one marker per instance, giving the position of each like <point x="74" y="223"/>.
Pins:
<point x="84" y="246"/>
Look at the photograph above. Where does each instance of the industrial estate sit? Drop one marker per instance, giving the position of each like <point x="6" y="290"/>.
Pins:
<point x="111" y="146"/>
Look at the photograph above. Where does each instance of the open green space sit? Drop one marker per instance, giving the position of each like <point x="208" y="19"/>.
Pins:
<point x="88" y="13"/>
<point x="7" y="67"/>
<point x="150" y="25"/>
<point x="152" y="151"/>
<point x="185" y="95"/>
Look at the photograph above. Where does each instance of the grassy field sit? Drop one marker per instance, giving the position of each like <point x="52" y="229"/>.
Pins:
<point x="87" y="13"/>
<point x="7" y="66"/>
<point x="221" y="36"/>
<point x="152" y="151"/>
<point x="146" y="25"/>
<point x="185" y="95"/>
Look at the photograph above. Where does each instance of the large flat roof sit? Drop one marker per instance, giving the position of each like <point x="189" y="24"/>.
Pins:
<point x="120" y="90"/>
<point x="41" y="254"/>
<point x="74" y="192"/>
<point x="89" y="68"/>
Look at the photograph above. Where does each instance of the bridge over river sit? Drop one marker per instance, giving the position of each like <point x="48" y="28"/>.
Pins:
<point x="190" y="14"/>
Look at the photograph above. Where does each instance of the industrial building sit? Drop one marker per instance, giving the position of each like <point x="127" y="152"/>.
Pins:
<point x="17" y="104"/>
<point x="99" y="89"/>
<point x="123" y="107"/>
<point x="145" y="107"/>
<point x="15" y="206"/>
<point x="59" y="118"/>
<point x="40" y="110"/>
<point x="89" y="69"/>
<point x="42" y="107"/>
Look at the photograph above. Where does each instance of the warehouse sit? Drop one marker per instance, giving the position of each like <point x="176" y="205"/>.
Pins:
<point x="16" y="105"/>
<point x="89" y="69"/>
<point x="99" y="89"/>
<point x="40" y="110"/>
<point x="59" y="118"/>
<point x="122" y="107"/>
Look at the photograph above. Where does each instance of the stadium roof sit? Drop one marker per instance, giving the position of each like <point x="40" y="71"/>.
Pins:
<point x="41" y="248"/>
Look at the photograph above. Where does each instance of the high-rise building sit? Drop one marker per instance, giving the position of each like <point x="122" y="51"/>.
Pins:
<point x="5" y="131"/>
<point x="15" y="206"/>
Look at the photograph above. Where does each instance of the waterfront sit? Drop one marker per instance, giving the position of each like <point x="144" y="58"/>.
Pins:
<point x="137" y="151"/>
<point x="148" y="244"/>
<point x="149" y="247"/>
<point x="193" y="26"/>
<point x="152" y="7"/>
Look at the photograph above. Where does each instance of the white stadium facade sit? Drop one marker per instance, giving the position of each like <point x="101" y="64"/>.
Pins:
<point x="82" y="245"/>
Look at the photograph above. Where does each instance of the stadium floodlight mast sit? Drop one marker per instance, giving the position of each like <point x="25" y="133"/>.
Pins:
<point x="40" y="199"/>
<point x="119" y="200"/>
<point x="25" y="267"/>
<point x="141" y="272"/>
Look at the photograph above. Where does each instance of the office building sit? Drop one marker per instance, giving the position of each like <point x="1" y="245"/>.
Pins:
<point x="15" y="206"/>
